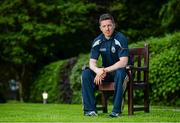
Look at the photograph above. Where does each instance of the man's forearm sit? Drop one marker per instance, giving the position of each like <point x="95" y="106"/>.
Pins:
<point x="93" y="65"/>
<point x="100" y="72"/>
<point x="120" y="64"/>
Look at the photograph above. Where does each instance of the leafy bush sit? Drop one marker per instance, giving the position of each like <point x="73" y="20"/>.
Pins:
<point x="64" y="90"/>
<point x="54" y="79"/>
<point x="164" y="69"/>
<point x="47" y="80"/>
<point x="75" y="77"/>
<point x="164" y="77"/>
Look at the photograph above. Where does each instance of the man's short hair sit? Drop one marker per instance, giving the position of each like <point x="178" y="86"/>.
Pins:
<point x="106" y="16"/>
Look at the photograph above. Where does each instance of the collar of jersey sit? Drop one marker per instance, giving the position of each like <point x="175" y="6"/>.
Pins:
<point x="104" y="39"/>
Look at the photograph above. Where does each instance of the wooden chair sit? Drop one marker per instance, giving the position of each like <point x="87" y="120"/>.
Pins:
<point x="137" y="79"/>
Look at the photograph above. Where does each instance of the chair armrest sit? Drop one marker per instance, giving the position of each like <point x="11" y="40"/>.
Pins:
<point x="131" y="67"/>
<point x="140" y="68"/>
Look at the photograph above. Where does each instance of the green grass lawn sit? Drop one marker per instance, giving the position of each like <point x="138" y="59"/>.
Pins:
<point x="28" y="112"/>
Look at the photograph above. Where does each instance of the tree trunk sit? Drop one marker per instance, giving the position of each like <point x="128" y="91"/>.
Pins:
<point x="20" y="78"/>
<point x="20" y="92"/>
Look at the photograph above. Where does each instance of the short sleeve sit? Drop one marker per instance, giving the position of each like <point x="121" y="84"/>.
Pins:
<point x="94" y="54"/>
<point x="95" y="49"/>
<point x="124" y="50"/>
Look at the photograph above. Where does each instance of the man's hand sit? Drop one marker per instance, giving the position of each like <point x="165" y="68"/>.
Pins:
<point x="101" y="74"/>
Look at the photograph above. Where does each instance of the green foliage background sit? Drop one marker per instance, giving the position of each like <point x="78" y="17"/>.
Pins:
<point x="36" y="33"/>
<point x="47" y="80"/>
<point x="164" y="68"/>
<point x="75" y="77"/>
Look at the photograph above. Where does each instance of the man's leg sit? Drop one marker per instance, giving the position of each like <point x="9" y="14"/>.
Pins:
<point x="118" y="94"/>
<point x="88" y="88"/>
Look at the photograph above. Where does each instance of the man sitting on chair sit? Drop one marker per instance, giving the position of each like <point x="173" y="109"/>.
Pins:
<point x="113" y="48"/>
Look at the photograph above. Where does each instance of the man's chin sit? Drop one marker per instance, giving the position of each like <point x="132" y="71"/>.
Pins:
<point x="108" y="35"/>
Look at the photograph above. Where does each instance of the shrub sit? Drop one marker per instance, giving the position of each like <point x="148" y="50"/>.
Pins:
<point x="65" y="91"/>
<point x="164" y="69"/>
<point x="75" y="77"/>
<point x="47" y="80"/>
<point x="164" y="77"/>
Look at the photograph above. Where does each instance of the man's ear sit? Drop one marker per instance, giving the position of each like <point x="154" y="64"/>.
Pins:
<point x="114" y="25"/>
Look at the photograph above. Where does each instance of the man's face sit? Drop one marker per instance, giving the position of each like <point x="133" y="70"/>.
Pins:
<point x="107" y="28"/>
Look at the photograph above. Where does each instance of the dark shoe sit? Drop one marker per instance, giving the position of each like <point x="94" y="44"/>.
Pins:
<point x="90" y="113"/>
<point x="113" y="115"/>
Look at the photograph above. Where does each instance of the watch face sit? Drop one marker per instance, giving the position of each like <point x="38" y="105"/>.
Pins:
<point x="113" y="50"/>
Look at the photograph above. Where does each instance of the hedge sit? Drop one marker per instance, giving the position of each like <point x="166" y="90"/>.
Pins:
<point x="54" y="79"/>
<point x="47" y="80"/>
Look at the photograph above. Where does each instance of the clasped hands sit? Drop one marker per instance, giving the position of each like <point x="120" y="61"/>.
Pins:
<point x="100" y="75"/>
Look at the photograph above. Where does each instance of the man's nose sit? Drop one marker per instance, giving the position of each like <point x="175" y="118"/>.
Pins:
<point x="106" y="28"/>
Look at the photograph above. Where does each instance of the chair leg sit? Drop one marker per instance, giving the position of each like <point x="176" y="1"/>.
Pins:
<point x="130" y="98"/>
<point x="104" y="102"/>
<point x="146" y="100"/>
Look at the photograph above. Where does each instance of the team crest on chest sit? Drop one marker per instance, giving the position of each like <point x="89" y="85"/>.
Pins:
<point x="113" y="50"/>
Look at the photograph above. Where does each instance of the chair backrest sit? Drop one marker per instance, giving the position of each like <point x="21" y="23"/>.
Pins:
<point x="140" y="61"/>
